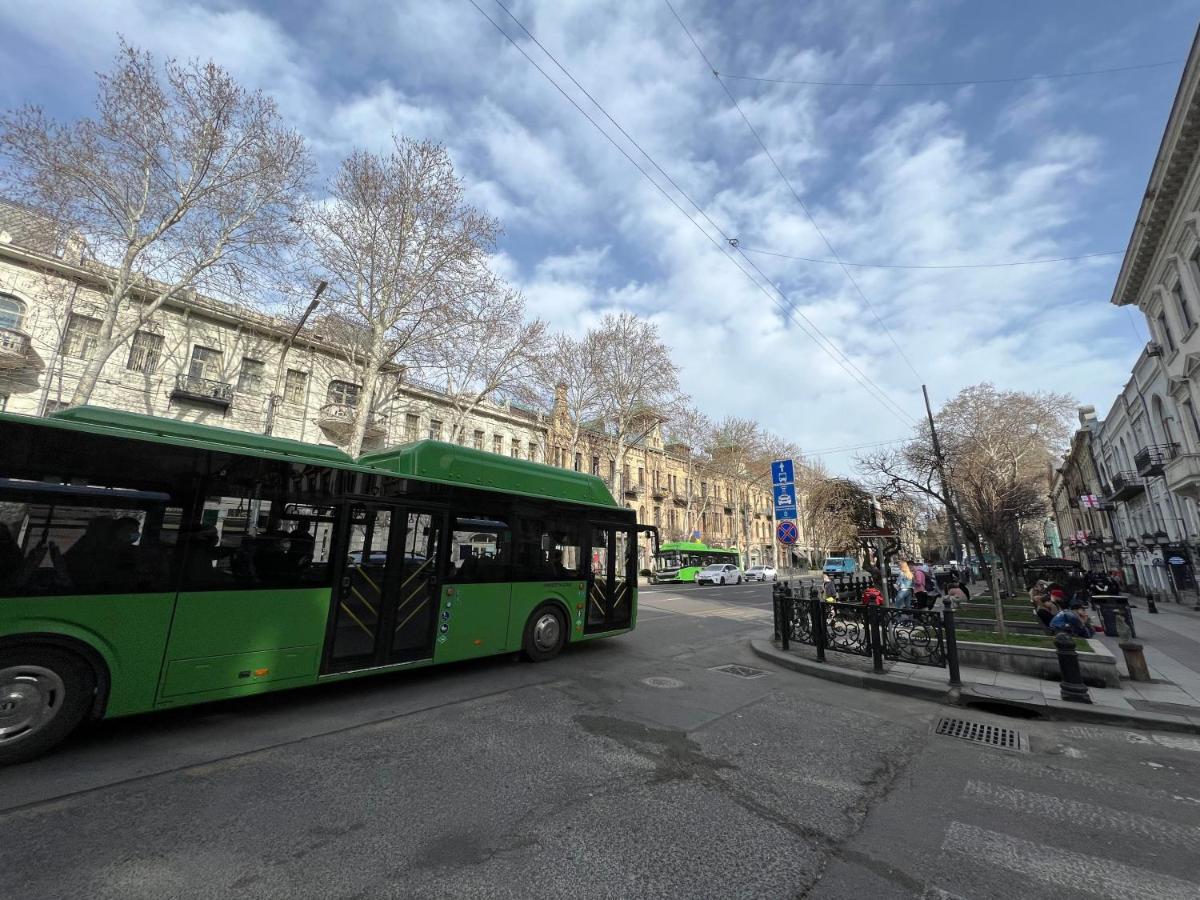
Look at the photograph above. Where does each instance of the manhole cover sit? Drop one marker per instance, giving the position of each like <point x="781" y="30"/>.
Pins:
<point x="989" y="735"/>
<point x="662" y="681"/>
<point x="740" y="671"/>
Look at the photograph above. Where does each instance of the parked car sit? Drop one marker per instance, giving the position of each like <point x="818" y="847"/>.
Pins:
<point x="760" y="573"/>
<point x="840" y="565"/>
<point x="719" y="574"/>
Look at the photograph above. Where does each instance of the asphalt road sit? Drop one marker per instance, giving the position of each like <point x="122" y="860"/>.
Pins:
<point x="625" y="768"/>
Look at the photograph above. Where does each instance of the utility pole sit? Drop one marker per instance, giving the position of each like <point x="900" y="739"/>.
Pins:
<point x="941" y="467"/>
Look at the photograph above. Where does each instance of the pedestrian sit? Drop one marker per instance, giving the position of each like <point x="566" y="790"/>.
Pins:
<point x="904" y="587"/>
<point x="1073" y="621"/>
<point x="829" y="587"/>
<point x="920" y="587"/>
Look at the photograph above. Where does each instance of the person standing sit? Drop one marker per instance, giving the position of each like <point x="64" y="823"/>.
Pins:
<point x="920" y="587"/>
<point x="904" y="587"/>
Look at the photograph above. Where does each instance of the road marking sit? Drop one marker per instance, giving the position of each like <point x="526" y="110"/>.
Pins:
<point x="1070" y="872"/>
<point x="1085" y="779"/>
<point x="1087" y="815"/>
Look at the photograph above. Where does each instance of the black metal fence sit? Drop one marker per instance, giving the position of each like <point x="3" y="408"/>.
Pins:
<point x="924" y="637"/>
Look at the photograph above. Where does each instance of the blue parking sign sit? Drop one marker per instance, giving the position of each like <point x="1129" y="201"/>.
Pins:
<point x="785" y="495"/>
<point x="782" y="472"/>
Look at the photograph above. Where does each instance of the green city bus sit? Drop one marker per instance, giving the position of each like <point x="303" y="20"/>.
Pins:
<point x="147" y="563"/>
<point x="679" y="561"/>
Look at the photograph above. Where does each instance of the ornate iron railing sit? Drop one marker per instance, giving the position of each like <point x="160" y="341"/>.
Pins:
<point x="923" y="637"/>
<point x="207" y="390"/>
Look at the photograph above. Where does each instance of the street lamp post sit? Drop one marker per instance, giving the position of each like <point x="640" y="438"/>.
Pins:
<point x="274" y="400"/>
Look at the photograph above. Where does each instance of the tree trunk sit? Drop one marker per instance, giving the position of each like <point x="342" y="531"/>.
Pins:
<point x="362" y="415"/>
<point x="994" y="584"/>
<point x="91" y="375"/>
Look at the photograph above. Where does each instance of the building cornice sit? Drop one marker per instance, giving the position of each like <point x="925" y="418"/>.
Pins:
<point x="1177" y="153"/>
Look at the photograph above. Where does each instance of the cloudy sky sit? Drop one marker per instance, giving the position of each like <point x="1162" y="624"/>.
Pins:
<point x="930" y="175"/>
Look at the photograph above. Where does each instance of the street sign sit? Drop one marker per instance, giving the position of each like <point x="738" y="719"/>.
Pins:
<point x="787" y="532"/>
<point x="1176" y="560"/>
<point x="785" y="495"/>
<point x="885" y="531"/>
<point x="782" y="472"/>
<point x="783" y="513"/>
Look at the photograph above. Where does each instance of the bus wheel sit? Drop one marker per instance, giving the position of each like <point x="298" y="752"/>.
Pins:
<point x="545" y="633"/>
<point x="44" y="695"/>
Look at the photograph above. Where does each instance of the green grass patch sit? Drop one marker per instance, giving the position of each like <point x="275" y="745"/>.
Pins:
<point x="1045" y="641"/>
<point x="1011" y="614"/>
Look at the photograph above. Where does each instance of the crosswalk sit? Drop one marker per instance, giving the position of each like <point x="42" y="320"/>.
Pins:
<point x="1132" y="841"/>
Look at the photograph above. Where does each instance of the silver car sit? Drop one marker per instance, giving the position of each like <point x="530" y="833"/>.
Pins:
<point x="760" y="573"/>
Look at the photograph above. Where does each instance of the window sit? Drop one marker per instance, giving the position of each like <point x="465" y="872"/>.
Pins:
<point x="516" y="449"/>
<point x="595" y="465"/>
<point x="480" y="550"/>
<point x="64" y="539"/>
<point x="12" y="312"/>
<point x="1195" y="264"/>
<point x="3" y="402"/>
<point x="1190" y="414"/>
<point x="206" y="363"/>
<point x="83" y="333"/>
<point x="498" y="444"/>
<point x="547" y="549"/>
<point x="288" y="545"/>
<point x="295" y="386"/>
<point x="144" y="352"/>
<point x="625" y="476"/>
<point x="343" y="393"/>
<point x="1185" y="312"/>
<point x="641" y="477"/>
<point x="578" y="462"/>
<point x="250" y="376"/>
<point x="412" y="427"/>
<point x="1165" y="330"/>
<point x="435" y="430"/>
<point x="478" y="439"/>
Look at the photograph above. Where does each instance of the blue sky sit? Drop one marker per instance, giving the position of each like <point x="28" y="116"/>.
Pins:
<point x="967" y="174"/>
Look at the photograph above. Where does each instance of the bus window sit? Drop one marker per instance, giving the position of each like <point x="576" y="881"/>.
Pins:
<point x="546" y="549"/>
<point x="480" y="550"/>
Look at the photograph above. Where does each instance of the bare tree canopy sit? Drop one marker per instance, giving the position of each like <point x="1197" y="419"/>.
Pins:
<point x="400" y="250"/>
<point x="688" y="434"/>
<point x="488" y="349"/>
<point x="639" y="382"/>
<point x="997" y="447"/>
<point x="184" y="179"/>
<point x="566" y="376"/>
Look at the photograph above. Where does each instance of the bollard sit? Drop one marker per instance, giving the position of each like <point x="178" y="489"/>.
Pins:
<point x="1072" y="688"/>
<point x="1151" y="606"/>
<point x="786" y="608"/>
<point x="817" y="610"/>
<point x="951" y="643"/>
<point x="1135" y="660"/>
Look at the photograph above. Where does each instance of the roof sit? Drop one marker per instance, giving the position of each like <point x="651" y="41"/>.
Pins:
<point x="187" y="434"/>
<point x="1177" y="153"/>
<point x="451" y="464"/>
<point x="28" y="228"/>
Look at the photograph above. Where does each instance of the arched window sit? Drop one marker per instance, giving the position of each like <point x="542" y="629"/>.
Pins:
<point x="1165" y="421"/>
<point x="12" y="312"/>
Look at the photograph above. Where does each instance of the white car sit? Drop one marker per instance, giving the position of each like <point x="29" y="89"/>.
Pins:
<point x="719" y="574"/>
<point x="760" y="573"/>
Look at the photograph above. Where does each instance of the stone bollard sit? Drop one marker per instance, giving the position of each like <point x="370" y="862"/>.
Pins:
<point x="1072" y="688"/>
<point x="1135" y="660"/>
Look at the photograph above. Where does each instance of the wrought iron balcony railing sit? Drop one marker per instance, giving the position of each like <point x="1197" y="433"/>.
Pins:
<point x="202" y="390"/>
<point x="1150" y="460"/>
<point x="14" y="347"/>
<point x="1126" y="485"/>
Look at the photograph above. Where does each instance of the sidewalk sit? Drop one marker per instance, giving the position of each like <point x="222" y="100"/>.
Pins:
<point x="1170" y="702"/>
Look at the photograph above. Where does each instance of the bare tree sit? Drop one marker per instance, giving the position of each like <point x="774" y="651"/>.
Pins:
<point x="689" y="433"/>
<point x="400" y="249"/>
<point x="996" y="445"/>
<point x="184" y="180"/>
<point x="834" y="509"/>
<point x="639" y="383"/>
<point x="566" y="376"/>
<point x="489" y="349"/>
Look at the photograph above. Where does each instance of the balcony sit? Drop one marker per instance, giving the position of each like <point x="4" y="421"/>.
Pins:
<point x="658" y="493"/>
<point x="1125" y="485"/>
<point x="634" y="490"/>
<point x="1150" y="461"/>
<point x="14" y="348"/>
<point x="1183" y="475"/>
<point x="202" y="390"/>
<point x="339" y="419"/>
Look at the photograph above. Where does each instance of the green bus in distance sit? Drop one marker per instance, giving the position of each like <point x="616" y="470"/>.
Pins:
<point x="679" y="561"/>
<point x="147" y="563"/>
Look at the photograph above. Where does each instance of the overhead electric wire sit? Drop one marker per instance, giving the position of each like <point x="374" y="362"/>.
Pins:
<point x="826" y="451"/>
<point x="1036" y="261"/>
<point x="789" y="308"/>
<point x="799" y="200"/>
<point x="963" y="83"/>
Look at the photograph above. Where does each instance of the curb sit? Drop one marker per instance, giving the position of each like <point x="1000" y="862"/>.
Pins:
<point x="970" y="694"/>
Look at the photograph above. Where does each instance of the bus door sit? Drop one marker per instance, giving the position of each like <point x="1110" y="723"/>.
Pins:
<point x="613" y="578"/>
<point x="386" y="596"/>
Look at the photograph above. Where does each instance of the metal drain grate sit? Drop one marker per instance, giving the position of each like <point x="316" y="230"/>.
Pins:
<point x="989" y="735"/>
<point x="741" y="671"/>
